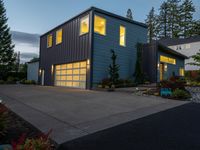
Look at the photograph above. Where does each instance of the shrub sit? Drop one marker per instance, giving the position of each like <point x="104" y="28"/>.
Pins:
<point x="3" y="120"/>
<point x="173" y="83"/>
<point x="27" y="82"/>
<point x="40" y="143"/>
<point x="180" y="94"/>
<point x="106" y="82"/>
<point x="11" y="80"/>
<point x="2" y="82"/>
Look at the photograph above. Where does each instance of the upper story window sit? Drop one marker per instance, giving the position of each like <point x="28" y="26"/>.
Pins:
<point x="59" y="36"/>
<point x="99" y="25"/>
<point x="122" y="36"/>
<point x="187" y="46"/>
<point x="49" y="40"/>
<point x="84" y="25"/>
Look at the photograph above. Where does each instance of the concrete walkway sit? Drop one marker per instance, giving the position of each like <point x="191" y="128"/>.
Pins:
<point x="73" y="113"/>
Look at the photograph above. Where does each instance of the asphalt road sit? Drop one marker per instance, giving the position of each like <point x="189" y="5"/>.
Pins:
<point x="174" y="129"/>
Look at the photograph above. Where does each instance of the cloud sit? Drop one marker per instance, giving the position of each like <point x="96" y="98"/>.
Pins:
<point x="21" y="37"/>
<point x="27" y="44"/>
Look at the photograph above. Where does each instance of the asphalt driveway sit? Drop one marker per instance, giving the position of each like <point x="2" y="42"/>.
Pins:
<point x="174" y="129"/>
<point x="73" y="113"/>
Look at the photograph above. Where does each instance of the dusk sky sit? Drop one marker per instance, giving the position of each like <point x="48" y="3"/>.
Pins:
<point x="39" y="16"/>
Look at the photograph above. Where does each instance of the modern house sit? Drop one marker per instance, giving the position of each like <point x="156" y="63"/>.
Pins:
<point x="32" y="70"/>
<point x="189" y="47"/>
<point x="77" y="52"/>
<point x="163" y="62"/>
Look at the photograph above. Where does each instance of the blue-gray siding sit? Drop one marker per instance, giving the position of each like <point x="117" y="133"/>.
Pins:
<point x="126" y="56"/>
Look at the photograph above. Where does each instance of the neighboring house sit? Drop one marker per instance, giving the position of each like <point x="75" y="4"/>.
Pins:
<point x="162" y="61"/>
<point x="77" y="52"/>
<point x="32" y="70"/>
<point x="189" y="47"/>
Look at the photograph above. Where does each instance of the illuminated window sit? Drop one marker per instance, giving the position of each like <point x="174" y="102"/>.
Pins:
<point x="59" y="36"/>
<point x="84" y="26"/>
<point x="122" y="36"/>
<point x="181" y="72"/>
<point x="49" y="40"/>
<point x="167" y="60"/>
<point x="100" y="25"/>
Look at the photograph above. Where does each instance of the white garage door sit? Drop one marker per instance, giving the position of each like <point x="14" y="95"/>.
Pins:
<point x="71" y="75"/>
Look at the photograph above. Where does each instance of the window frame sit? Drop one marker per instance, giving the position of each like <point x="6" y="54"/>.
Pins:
<point x="48" y="40"/>
<point x="122" y="26"/>
<point x="105" y="25"/>
<point x="82" y="18"/>
<point x="57" y="36"/>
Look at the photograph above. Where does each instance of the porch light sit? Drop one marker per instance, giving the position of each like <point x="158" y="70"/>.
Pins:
<point x="165" y="67"/>
<point x="158" y="65"/>
<point x="52" y="68"/>
<point x="40" y="71"/>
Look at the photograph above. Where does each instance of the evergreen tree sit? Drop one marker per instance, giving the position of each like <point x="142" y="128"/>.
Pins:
<point x="114" y="69"/>
<point x="151" y="22"/>
<point x="195" y="28"/>
<point x="187" y="10"/>
<point x="7" y="57"/>
<point x="174" y="18"/>
<point x="163" y="21"/>
<point x="139" y="76"/>
<point x="129" y="14"/>
<point x="196" y="59"/>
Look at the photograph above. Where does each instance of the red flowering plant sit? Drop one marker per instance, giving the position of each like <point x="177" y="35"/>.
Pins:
<point x="3" y="119"/>
<point x="42" y="142"/>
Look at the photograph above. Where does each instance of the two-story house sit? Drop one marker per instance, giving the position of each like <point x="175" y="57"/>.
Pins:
<point x="77" y="52"/>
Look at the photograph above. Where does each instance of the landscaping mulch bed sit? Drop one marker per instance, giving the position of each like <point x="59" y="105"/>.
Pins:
<point x="17" y="127"/>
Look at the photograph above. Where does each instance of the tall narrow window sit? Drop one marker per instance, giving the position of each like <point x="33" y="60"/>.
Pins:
<point x="122" y="36"/>
<point x="49" y="40"/>
<point x="99" y="25"/>
<point x="84" y="25"/>
<point x="59" y="36"/>
<point x="181" y="72"/>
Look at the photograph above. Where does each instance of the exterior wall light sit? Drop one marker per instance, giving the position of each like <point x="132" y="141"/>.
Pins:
<point x="165" y="67"/>
<point x="158" y="65"/>
<point x="40" y="71"/>
<point x="52" y="69"/>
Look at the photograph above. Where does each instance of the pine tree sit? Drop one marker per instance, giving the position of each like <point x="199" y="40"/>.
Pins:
<point x="163" y="21"/>
<point x="174" y="18"/>
<point x="129" y="14"/>
<point x="151" y="22"/>
<point x="114" y="68"/>
<point x="195" y="28"/>
<point x="139" y="76"/>
<point x="187" y="10"/>
<point x="7" y="57"/>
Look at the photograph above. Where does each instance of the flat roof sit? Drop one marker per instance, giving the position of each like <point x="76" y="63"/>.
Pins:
<point x="103" y="12"/>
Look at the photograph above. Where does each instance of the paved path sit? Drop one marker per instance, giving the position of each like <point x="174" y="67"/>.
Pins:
<point x="173" y="129"/>
<point x="195" y="92"/>
<point x="73" y="113"/>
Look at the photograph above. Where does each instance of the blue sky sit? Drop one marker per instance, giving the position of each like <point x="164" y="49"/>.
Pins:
<point x="38" y="16"/>
<point x="31" y="18"/>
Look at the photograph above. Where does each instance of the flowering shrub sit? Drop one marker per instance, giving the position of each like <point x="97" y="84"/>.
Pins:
<point x="3" y="119"/>
<point x="42" y="142"/>
<point x="173" y="83"/>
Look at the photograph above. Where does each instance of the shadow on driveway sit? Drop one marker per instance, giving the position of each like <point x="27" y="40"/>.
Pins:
<point x="173" y="129"/>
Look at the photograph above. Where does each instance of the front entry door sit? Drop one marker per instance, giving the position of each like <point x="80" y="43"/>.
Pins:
<point x="161" y="71"/>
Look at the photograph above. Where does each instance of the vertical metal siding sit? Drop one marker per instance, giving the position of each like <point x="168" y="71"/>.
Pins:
<point x="73" y="47"/>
